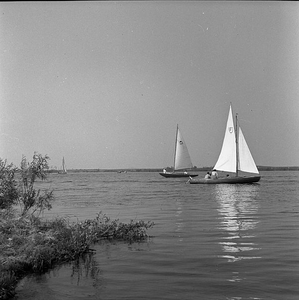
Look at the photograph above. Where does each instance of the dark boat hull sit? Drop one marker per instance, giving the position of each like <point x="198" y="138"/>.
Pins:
<point x="177" y="175"/>
<point x="227" y="180"/>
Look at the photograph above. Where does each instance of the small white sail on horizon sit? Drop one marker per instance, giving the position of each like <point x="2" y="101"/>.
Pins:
<point x="235" y="154"/>
<point x="63" y="167"/>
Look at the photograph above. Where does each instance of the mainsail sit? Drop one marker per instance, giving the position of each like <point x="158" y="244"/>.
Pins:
<point x="235" y="155"/>
<point x="182" y="158"/>
<point x="227" y="159"/>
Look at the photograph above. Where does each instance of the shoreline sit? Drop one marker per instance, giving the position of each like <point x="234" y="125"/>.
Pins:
<point x="30" y="245"/>
<point x="202" y="169"/>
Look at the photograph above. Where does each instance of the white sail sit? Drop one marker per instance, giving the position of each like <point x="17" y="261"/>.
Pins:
<point x="63" y="167"/>
<point x="246" y="162"/>
<point x="182" y="158"/>
<point x="228" y="156"/>
<point x="227" y="159"/>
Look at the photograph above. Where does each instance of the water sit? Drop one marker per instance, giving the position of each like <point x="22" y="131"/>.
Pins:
<point x="209" y="241"/>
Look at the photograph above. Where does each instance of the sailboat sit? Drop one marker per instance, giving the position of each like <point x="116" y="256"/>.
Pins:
<point x="63" y="169"/>
<point x="234" y="157"/>
<point x="182" y="160"/>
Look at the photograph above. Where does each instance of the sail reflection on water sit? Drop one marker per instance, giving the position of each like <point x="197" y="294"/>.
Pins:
<point x="179" y="220"/>
<point x="237" y="209"/>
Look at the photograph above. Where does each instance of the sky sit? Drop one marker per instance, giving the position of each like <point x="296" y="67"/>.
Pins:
<point x="104" y="84"/>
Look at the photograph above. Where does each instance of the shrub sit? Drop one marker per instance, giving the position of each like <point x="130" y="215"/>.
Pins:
<point x="23" y="192"/>
<point x="8" y="185"/>
<point x="30" y="199"/>
<point x="7" y="281"/>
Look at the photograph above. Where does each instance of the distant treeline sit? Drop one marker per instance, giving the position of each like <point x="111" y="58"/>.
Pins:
<point x="202" y="169"/>
<point x="267" y="168"/>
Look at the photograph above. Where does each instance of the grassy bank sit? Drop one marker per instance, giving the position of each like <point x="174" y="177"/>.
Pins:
<point x="30" y="245"/>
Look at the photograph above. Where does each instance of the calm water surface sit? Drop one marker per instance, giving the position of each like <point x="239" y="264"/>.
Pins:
<point x="208" y="242"/>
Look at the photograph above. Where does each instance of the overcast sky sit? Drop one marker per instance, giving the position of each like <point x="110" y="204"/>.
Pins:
<point x="104" y="84"/>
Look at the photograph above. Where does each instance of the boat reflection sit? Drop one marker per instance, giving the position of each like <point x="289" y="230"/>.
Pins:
<point x="237" y="208"/>
<point x="179" y="220"/>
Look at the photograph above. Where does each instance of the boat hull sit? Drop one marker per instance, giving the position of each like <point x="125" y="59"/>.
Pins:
<point x="227" y="180"/>
<point x="176" y="175"/>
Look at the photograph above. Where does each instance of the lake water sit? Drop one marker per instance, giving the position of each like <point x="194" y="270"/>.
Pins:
<point x="232" y="242"/>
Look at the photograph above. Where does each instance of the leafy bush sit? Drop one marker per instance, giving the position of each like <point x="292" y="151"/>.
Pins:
<point x="7" y="280"/>
<point x="8" y="185"/>
<point x="30" y="199"/>
<point x="23" y="191"/>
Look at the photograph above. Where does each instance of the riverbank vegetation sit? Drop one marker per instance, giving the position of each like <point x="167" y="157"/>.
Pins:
<point x="30" y="244"/>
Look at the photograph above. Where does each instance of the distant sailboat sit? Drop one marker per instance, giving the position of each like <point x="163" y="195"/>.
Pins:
<point x="235" y="156"/>
<point x="182" y="160"/>
<point x="63" y="168"/>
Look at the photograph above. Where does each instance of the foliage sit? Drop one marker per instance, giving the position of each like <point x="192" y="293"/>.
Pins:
<point x="103" y="228"/>
<point x="31" y="199"/>
<point x="24" y="192"/>
<point x="7" y="280"/>
<point x="29" y="244"/>
<point x="8" y="185"/>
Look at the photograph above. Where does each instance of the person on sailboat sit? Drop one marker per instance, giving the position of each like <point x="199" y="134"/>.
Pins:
<point x="208" y="175"/>
<point x="214" y="174"/>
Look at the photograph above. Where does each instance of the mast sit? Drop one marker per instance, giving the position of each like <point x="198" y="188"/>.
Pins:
<point x="237" y="146"/>
<point x="175" y="146"/>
